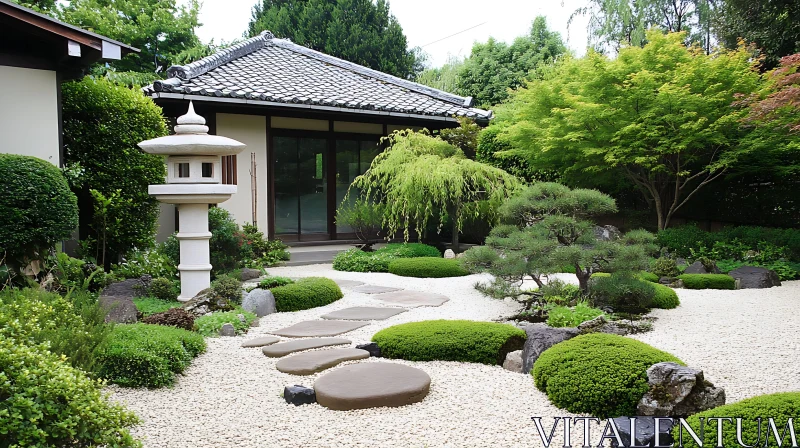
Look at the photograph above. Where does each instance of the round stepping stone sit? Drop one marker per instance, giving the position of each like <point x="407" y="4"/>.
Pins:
<point x="285" y="348"/>
<point x="374" y="289"/>
<point x="260" y="341"/>
<point x="348" y="283"/>
<point x="312" y="362"/>
<point x="364" y="313"/>
<point x="315" y="328"/>
<point x="372" y="385"/>
<point x="412" y="299"/>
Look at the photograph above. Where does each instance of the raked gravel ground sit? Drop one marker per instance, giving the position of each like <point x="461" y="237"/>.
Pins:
<point x="748" y="342"/>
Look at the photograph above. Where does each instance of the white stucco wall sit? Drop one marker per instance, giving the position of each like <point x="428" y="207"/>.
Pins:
<point x="29" y="113"/>
<point x="252" y="131"/>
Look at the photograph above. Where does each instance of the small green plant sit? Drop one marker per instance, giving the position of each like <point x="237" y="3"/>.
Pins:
<point x="665" y="267"/>
<point x="72" y="273"/>
<point x="227" y="289"/>
<point x="562" y="316"/>
<point x="137" y="263"/>
<point x="306" y="293"/>
<point x="163" y="289"/>
<point x="363" y="217"/>
<point x="623" y="293"/>
<point x="708" y="281"/>
<point x="559" y="292"/>
<point x="210" y="324"/>
<point x="264" y="252"/>
<point x="427" y="267"/>
<point x="274" y="281"/>
<point x="151" y="305"/>
<point x="450" y="340"/>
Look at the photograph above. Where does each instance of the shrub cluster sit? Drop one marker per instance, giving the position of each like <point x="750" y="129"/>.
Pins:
<point x="623" y="293"/>
<point x="151" y="305"/>
<point x="69" y="273"/>
<point x="142" y="355"/>
<point x="708" y="281"/>
<point x="665" y="297"/>
<point x="259" y="251"/>
<point x="450" y="340"/>
<point x="681" y="241"/>
<point x="173" y="317"/>
<point x="603" y="375"/>
<point x="227" y="289"/>
<point x="306" y="293"/>
<point x="649" y="277"/>
<point x="163" y="289"/>
<point x="154" y="263"/>
<point x="210" y="324"/>
<point x="356" y="260"/>
<point x="427" y="267"/>
<point x="562" y="316"/>
<point x="274" y="281"/>
<point x="665" y="267"/>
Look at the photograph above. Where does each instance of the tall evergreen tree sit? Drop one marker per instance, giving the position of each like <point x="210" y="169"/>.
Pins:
<point x="773" y="25"/>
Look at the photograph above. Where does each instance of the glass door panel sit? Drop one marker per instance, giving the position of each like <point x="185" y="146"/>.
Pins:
<point x="312" y="181"/>
<point x="347" y="168"/>
<point x="287" y="211"/>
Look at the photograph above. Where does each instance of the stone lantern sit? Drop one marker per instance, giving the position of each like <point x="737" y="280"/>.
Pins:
<point x="194" y="176"/>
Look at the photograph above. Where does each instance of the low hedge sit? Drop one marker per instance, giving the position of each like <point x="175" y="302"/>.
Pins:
<point x="356" y="260"/>
<point x="142" y="355"/>
<point x="649" y="276"/>
<point x="708" y="281"/>
<point x="210" y="324"/>
<point x="427" y="267"/>
<point x="47" y="402"/>
<point x="306" y="293"/>
<point x="450" y="340"/>
<point x="666" y="298"/>
<point x="603" y="375"/>
<point x="781" y="407"/>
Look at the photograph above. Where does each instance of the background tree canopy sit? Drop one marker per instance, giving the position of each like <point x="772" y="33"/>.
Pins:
<point x="773" y="25"/>
<point x="358" y="31"/>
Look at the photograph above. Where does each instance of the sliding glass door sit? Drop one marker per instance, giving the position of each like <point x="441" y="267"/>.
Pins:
<point x="301" y="185"/>
<point x="353" y="158"/>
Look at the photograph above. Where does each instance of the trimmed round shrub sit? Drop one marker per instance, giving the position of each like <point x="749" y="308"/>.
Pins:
<point x="450" y="340"/>
<point x="649" y="276"/>
<point x="781" y="407"/>
<point x="273" y="282"/>
<point x="47" y="402"/>
<point x="142" y="355"/>
<point x="306" y="293"/>
<point x="665" y="298"/>
<point x="173" y="317"/>
<point x="227" y="289"/>
<point x="623" y="293"/>
<point x="708" y="281"/>
<point x="163" y="289"/>
<point x="427" y="267"/>
<point x="603" y="375"/>
<point x="38" y="208"/>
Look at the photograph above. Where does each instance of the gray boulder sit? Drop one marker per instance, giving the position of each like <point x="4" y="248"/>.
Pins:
<point x="204" y="302"/>
<point x="119" y="310"/>
<point x="299" y="395"/>
<point x="644" y="432"/>
<point x="449" y="253"/>
<point x="620" y="327"/>
<point x="513" y="361"/>
<point x="698" y="268"/>
<point x="755" y="277"/>
<point x="129" y="288"/>
<point x="678" y="391"/>
<point x="606" y="233"/>
<point x="249" y="274"/>
<point x="259" y="301"/>
<point x="227" y="330"/>
<point x="540" y="338"/>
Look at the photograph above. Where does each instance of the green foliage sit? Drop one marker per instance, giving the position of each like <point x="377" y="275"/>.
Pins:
<point x="151" y="305"/>
<point x="450" y="340"/>
<point x="46" y="402"/>
<point x="69" y="273"/>
<point x="562" y="316"/>
<point x="443" y="78"/>
<point x="227" y="289"/>
<point x="274" y="281"/>
<point x="780" y="407"/>
<point x="359" y="31"/>
<point x="564" y="291"/>
<point x="491" y="151"/>
<point x="210" y="324"/>
<point x="770" y="25"/>
<point x="142" y="355"/>
<point x="623" y="293"/>
<point x="665" y="267"/>
<point x="603" y="375"/>
<point x="731" y="242"/>
<point x="226" y="240"/>
<point x="665" y="297"/>
<point x="163" y="289"/>
<point x="365" y="218"/>
<point x="72" y="326"/>
<point x="103" y="125"/>
<point x="649" y="276"/>
<point x="264" y="252"/>
<point x="356" y="260"/>
<point x="427" y="267"/>
<point x="493" y="68"/>
<point x="154" y="263"/>
<point x="37" y="209"/>
<point x="306" y="293"/>
<point x="464" y="137"/>
<point x="708" y="281"/>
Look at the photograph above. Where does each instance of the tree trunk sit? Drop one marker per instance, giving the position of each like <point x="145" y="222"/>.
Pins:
<point x="455" y="236"/>
<point x="583" y="279"/>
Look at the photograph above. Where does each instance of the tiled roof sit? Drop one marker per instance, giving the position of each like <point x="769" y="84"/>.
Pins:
<point x="264" y="68"/>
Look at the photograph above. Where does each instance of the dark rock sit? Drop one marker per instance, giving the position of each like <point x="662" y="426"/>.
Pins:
<point x="227" y="330"/>
<point x="175" y="317"/>
<point x="592" y="326"/>
<point x="606" y="233"/>
<point x="540" y="338"/>
<point x="204" y="303"/>
<point x="755" y="277"/>
<point x="129" y="288"/>
<point x="645" y="432"/>
<point x="678" y="391"/>
<point x="667" y="280"/>
<point x="699" y="268"/>
<point x="250" y="274"/>
<point x="298" y="395"/>
<point x="620" y="327"/>
<point x="513" y="361"/>
<point x="372" y="348"/>
<point x="120" y="310"/>
<point x="260" y="302"/>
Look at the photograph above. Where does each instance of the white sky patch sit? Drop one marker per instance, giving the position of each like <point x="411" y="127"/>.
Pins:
<point x="428" y="21"/>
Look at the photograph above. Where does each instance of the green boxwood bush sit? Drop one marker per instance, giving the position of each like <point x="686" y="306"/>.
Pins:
<point x="562" y="316"/>
<point x="38" y="208"/>
<point x="274" y="281"/>
<point x="47" y="402"/>
<point x="210" y="324"/>
<point x="306" y="293"/>
<point x="142" y="355"/>
<point x="666" y="298"/>
<point x="708" y="281"/>
<point x="356" y="260"/>
<point x="450" y="340"/>
<point x="649" y="276"/>
<point x="603" y="375"/>
<point x="427" y="267"/>
<point x="781" y="407"/>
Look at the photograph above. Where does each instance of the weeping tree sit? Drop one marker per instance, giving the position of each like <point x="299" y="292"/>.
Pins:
<point x="548" y="228"/>
<point x="420" y="176"/>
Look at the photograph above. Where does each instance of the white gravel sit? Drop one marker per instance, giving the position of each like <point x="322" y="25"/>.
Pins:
<point x="747" y="341"/>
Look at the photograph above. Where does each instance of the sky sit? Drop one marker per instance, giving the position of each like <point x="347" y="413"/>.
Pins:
<point x="427" y="21"/>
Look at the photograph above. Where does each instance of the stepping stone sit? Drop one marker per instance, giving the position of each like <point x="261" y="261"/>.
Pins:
<point x="372" y="385"/>
<point x="374" y="289"/>
<point x="412" y="299"/>
<point x="312" y="362"/>
<point x="364" y="313"/>
<point x="316" y="328"/>
<point x="285" y="348"/>
<point x="260" y="341"/>
<point x="348" y="283"/>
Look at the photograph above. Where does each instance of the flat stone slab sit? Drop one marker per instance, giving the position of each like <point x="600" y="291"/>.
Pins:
<point x="364" y="313"/>
<point x="374" y="289"/>
<point x="412" y="299"/>
<point x="285" y="348"/>
<point x="310" y="363"/>
<point x="348" y="283"/>
<point x="260" y="341"/>
<point x="316" y="328"/>
<point x="372" y="385"/>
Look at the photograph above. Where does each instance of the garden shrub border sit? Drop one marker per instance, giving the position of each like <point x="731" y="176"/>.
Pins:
<point x="427" y="267"/>
<point x="708" y="281"/>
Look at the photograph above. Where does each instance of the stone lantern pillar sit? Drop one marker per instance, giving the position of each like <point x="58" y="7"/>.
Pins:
<point x="194" y="176"/>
